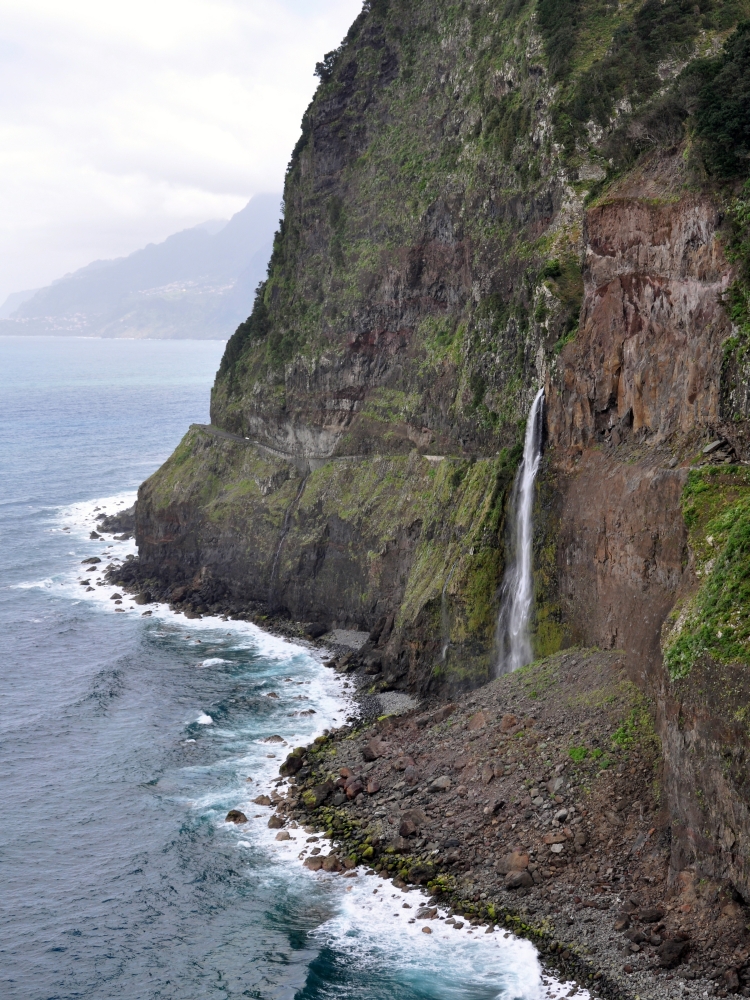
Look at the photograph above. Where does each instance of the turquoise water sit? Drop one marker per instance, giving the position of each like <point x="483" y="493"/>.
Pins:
<point x="125" y="739"/>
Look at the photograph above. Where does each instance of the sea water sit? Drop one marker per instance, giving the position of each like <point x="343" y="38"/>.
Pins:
<point x="125" y="739"/>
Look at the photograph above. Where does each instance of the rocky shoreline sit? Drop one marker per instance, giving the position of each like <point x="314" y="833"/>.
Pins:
<point x="535" y="805"/>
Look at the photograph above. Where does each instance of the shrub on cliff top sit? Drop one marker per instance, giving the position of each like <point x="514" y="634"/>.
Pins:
<point x="722" y="118"/>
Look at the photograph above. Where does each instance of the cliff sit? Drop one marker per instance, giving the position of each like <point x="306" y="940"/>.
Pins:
<point x="486" y="198"/>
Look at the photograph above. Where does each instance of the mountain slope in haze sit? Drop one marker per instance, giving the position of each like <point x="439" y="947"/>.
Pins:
<point x="198" y="283"/>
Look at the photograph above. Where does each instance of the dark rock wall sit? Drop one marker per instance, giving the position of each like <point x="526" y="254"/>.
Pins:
<point x="367" y="417"/>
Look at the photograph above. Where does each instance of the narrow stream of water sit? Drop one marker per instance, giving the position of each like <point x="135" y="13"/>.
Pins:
<point x="517" y="593"/>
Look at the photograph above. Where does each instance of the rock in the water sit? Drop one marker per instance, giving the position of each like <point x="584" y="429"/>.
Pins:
<point x="314" y="864"/>
<point x="143" y="598"/>
<point x="262" y="800"/>
<point x="427" y="930"/>
<point x="235" y="816"/>
<point x="293" y="763"/>
<point x="283" y="835"/>
<point x="332" y="864"/>
<point x="91" y="561"/>
<point x="115" y="597"/>
<point x="275" y="822"/>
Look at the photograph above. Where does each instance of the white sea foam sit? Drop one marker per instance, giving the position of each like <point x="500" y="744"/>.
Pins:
<point x="363" y="925"/>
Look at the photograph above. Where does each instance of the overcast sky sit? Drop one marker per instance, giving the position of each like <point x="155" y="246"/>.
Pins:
<point x="123" y="122"/>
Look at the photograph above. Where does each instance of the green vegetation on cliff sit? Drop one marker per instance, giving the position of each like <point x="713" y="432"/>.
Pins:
<point x="715" y="621"/>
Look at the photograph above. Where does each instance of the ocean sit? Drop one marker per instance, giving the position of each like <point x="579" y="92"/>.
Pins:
<point x="125" y="739"/>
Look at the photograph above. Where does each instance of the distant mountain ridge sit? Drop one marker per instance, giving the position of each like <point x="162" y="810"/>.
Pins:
<point x="197" y="284"/>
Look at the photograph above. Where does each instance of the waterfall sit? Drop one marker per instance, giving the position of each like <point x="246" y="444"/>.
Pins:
<point x="518" y="586"/>
<point x="282" y="539"/>
<point x="445" y="623"/>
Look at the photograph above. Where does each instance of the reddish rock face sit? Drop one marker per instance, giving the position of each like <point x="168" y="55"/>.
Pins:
<point x="647" y="357"/>
<point x="630" y="403"/>
<point x="643" y="370"/>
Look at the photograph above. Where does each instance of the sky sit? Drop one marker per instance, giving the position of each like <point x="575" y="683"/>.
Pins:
<point x="124" y="122"/>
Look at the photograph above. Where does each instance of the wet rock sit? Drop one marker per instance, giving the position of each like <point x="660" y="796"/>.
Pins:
<point x="293" y="763"/>
<point x="283" y="835"/>
<point x="427" y="930"/>
<point x="314" y="864"/>
<point x="275" y="822"/>
<point x="317" y="795"/>
<point x="332" y="864"/>
<point x="426" y="913"/>
<point x="91" y="561"/>
<point x="143" y="598"/>
<point x="235" y="816"/>
<point x="115" y="597"/>
<point x="262" y="800"/>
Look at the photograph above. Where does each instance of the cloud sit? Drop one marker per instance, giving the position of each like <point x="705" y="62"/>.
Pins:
<point x="122" y="122"/>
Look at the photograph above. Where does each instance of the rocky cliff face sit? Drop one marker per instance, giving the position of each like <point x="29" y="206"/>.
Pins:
<point x="450" y="243"/>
